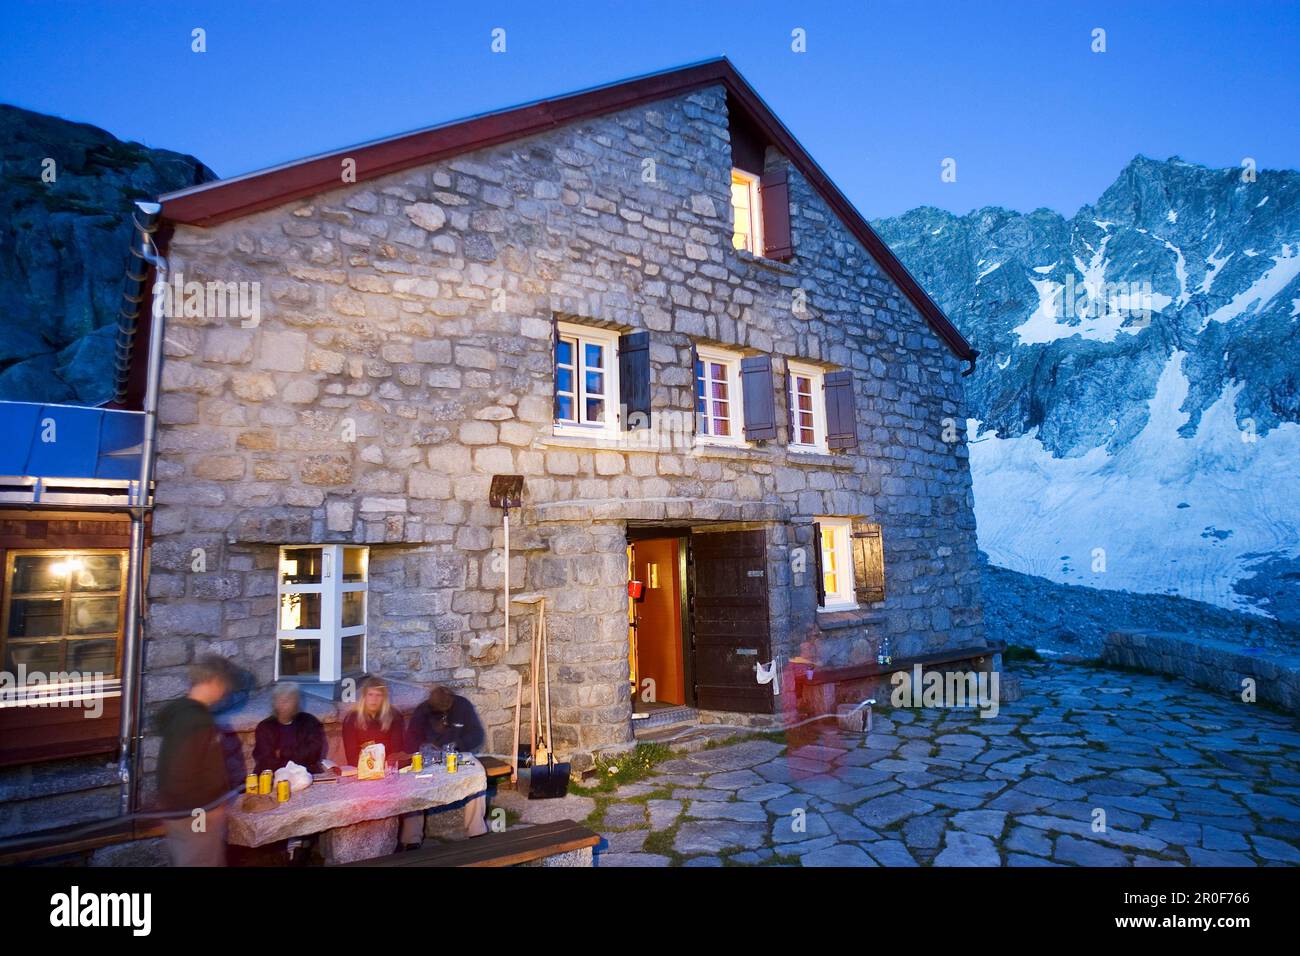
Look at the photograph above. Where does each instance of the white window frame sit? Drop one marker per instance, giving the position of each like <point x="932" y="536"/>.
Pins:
<point x="817" y="382"/>
<point x="845" y="596"/>
<point x="582" y="336"/>
<point x="755" y="245"/>
<point x="730" y="362"/>
<point x="331" y="588"/>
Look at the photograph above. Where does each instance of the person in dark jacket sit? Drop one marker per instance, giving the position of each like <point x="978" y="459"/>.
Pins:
<point x="445" y="718"/>
<point x="192" y="780"/>
<point x="289" y="734"/>
<point x="374" y="720"/>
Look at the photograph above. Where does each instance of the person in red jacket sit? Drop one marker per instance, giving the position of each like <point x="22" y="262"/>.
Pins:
<point x="374" y="720"/>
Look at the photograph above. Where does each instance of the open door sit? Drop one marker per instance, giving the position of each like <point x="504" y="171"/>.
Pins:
<point x="729" y="622"/>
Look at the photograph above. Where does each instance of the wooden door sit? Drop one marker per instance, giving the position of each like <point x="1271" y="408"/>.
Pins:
<point x="729" y="622"/>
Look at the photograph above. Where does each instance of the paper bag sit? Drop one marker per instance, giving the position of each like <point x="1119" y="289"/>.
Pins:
<point x="370" y="765"/>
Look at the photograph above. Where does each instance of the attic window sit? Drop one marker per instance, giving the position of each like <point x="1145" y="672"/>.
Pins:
<point x="746" y="209"/>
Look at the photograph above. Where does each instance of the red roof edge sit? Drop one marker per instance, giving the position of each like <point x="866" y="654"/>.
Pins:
<point x="228" y="199"/>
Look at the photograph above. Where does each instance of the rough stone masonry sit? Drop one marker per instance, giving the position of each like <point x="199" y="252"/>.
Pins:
<point x="403" y="356"/>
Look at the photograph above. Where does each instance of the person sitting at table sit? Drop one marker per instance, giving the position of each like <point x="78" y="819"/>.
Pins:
<point x="289" y="734"/>
<point x="374" y="720"/>
<point x="445" y="719"/>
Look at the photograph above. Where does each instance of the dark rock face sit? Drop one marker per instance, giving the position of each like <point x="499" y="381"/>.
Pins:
<point x="63" y="248"/>
<point x="1201" y="237"/>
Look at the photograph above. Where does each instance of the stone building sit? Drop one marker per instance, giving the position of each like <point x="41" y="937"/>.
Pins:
<point x="721" y="390"/>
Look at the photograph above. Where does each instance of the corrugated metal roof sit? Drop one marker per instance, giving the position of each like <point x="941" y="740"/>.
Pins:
<point x="69" y="441"/>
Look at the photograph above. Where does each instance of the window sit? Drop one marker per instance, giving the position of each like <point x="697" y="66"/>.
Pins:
<point x="807" y="406"/>
<point x="63" y="613"/>
<point x="850" y="563"/>
<point x="321" y="628"/>
<point x="836" y="563"/>
<point x="747" y="233"/>
<point x="586" y="380"/>
<point x="719" y="406"/>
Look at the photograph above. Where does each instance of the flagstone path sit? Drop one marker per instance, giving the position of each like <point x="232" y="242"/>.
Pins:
<point x="1092" y="767"/>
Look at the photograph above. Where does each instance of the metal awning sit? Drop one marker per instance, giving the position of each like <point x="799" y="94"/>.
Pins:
<point x="69" y="455"/>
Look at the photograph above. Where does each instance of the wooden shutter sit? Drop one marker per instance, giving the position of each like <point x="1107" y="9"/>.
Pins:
<point x="695" y="392"/>
<point x="819" y="576"/>
<point x="774" y="198"/>
<point x="841" y="412"/>
<point x="868" y="563"/>
<point x="759" y="397"/>
<point x="634" y="379"/>
<point x="555" y="369"/>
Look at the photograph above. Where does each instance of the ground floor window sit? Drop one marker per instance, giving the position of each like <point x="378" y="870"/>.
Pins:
<point x="321" y="624"/>
<point x="850" y="563"/>
<point x="64" y="612"/>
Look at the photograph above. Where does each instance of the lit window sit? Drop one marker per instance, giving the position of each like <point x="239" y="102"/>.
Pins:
<point x="837" y="563"/>
<point x="747" y="233"/>
<point x="807" y="403"/>
<point x="321" y="630"/>
<point x="718" y="406"/>
<point x="63" y="614"/>
<point x="586" y="380"/>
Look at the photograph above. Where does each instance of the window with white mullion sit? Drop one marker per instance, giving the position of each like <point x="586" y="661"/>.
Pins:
<point x="807" y="403"/>
<point x="586" y="379"/>
<point x="837" y="563"/>
<point x="719" y="409"/>
<point x="321" y="623"/>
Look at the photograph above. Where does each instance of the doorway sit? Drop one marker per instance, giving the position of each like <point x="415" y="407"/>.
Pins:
<point x="697" y="619"/>
<point x="657" y="657"/>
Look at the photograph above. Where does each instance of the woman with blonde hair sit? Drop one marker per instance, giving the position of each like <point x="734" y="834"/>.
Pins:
<point x="374" y="720"/>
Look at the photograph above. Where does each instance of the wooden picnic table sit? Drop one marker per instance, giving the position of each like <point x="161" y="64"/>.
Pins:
<point x="358" y="818"/>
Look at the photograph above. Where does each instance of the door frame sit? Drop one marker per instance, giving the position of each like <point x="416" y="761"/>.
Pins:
<point x="682" y="535"/>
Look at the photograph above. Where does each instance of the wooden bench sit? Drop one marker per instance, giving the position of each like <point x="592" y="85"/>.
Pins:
<point x="496" y="769"/>
<point x="514" y="846"/>
<point x="55" y="843"/>
<point x="821" y="684"/>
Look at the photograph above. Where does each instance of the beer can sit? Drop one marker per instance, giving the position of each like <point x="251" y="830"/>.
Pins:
<point x="417" y="762"/>
<point x="453" y="761"/>
<point x="264" y="783"/>
<point x="250" y="783"/>
<point x="282" y="792"/>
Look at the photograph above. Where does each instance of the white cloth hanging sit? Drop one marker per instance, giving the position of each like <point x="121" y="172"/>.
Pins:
<point x="767" y="674"/>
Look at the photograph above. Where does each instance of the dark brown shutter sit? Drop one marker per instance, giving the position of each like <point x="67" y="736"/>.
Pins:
<point x="819" y="577"/>
<point x="555" y="370"/>
<point x="789" y="405"/>
<point x="774" y="198"/>
<point x="841" y="413"/>
<point x="695" y="392"/>
<point x="759" y="397"/>
<point x="868" y="563"/>
<point x="634" y="379"/>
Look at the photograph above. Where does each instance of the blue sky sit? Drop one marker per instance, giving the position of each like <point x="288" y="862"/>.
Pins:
<point x="885" y="92"/>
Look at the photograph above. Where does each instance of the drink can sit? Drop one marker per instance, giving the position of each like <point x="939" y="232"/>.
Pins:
<point x="282" y="792"/>
<point x="453" y="760"/>
<point x="250" y="783"/>
<point x="264" y="783"/>
<point x="417" y="762"/>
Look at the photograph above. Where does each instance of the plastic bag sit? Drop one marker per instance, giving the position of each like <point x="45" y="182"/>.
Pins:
<point x="299" y="777"/>
<point x="370" y="764"/>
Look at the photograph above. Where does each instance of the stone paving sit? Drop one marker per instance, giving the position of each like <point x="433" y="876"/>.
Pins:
<point x="1090" y="768"/>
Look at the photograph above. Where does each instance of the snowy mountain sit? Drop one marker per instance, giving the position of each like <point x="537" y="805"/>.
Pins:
<point x="1136" y="408"/>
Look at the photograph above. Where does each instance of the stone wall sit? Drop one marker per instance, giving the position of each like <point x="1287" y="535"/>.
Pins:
<point x="1274" y="675"/>
<point x="403" y="356"/>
